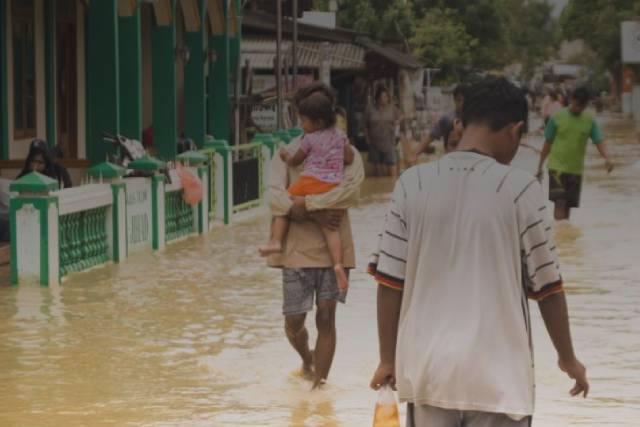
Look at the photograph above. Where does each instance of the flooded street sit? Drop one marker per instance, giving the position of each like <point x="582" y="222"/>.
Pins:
<point x="194" y="337"/>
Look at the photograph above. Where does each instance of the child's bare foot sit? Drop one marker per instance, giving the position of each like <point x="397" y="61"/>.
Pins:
<point x="273" y="247"/>
<point x="341" y="277"/>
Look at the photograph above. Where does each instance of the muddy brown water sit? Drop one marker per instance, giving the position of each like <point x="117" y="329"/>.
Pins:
<point x="193" y="337"/>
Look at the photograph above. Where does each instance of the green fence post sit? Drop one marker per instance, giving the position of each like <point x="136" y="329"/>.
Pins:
<point x="153" y="165"/>
<point x="283" y="136"/>
<point x="35" y="251"/>
<point x="117" y="221"/>
<point x="195" y="162"/>
<point x="268" y="146"/>
<point x="203" y="206"/>
<point x="222" y="181"/>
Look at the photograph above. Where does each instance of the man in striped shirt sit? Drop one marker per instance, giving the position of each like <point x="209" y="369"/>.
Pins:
<point x="465" y="242"/>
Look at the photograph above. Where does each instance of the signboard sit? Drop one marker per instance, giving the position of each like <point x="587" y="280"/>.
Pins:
<point x="265" y="117"/>
<point x="630" y="32"/>
<point x="138" y="213"/>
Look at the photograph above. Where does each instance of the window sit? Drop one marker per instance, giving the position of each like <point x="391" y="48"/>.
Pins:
<point x="24" y="70"/>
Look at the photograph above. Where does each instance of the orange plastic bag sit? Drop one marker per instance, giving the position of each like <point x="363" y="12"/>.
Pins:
<point x="191" y="186"/>
<point x="386" y="413"/>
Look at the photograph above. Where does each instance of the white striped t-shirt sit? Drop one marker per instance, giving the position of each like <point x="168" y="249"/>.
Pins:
<point x="467" y="240"/>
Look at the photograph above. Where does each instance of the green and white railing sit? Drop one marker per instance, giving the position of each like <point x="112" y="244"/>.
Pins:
<point x="83" y="219"/>
<point x="236" y="178"/>
<point x="59" y="232"/>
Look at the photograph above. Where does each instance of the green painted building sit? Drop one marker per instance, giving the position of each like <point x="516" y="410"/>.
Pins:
<point x="73" y="69"/>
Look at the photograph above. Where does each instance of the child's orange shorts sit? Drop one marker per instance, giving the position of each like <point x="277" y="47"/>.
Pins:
<point x="308" y="185"/>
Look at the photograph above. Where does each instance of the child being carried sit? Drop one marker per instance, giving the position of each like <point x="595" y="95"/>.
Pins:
<point x="324" y="151"/>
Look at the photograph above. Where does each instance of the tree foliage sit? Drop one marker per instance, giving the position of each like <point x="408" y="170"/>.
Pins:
<point x="597" y="22"/>
<point x="535" y="37"/>
<point x="443" y="42"/>
<point x="460" y="36"/>
<point x="381" y="19"/>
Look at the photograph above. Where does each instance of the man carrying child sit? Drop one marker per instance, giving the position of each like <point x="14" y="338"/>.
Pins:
<point x="309" y="268"/>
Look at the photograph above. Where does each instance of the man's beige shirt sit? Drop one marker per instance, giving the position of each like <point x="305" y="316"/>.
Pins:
<point x="305" y="246"/>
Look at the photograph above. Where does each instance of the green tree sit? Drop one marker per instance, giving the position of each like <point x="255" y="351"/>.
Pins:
<point x="380" y="19"/>
<point x="440" y="40"/>
<point x="534" y="33"/>
<point x="597" y="22"/>
<point x="460" y="36"/>
<point x="484" y="20"/>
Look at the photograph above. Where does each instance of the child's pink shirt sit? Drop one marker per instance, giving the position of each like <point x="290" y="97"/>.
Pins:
<point x="325" y="154"/>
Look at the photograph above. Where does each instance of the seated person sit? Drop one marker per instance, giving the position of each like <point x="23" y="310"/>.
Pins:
<point x="40" y="160"/>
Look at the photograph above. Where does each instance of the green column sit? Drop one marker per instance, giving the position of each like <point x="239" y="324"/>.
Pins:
<point x="103" y="101"/>
<point x="219" y="111"/>
<point x="165" y="119"/>
<point x="130" y="47"/>
<point x="4" y="105"/>
<point x="50" y="69"/>
<point x="195" y="109"/>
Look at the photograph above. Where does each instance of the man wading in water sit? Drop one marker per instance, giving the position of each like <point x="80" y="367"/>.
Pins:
<point x="465" y="241"/>
<point x="566" y="136"/>
<point x="307" y="269"/>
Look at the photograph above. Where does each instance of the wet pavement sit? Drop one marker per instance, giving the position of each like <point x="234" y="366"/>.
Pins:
<point x="193" y="337"/>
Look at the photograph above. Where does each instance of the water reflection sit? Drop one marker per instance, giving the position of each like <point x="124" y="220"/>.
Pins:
<point x="194" y="337"/>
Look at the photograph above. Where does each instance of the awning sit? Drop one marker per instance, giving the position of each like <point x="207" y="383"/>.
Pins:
<point x="264" y="25"/>
<point x="402" y="59"/>
<point x="261" y="54"/>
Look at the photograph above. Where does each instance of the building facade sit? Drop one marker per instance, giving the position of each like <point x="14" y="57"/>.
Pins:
<point x="73" y="69"/>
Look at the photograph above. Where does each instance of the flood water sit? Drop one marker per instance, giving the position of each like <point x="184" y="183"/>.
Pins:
<point x="194" y="337"/>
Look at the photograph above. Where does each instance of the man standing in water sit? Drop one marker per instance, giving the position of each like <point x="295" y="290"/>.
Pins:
<point x="465" y="242"/>
<point x="444" y="128"/>
<point x="566" y="136"/>
<point x="307" y="268"/>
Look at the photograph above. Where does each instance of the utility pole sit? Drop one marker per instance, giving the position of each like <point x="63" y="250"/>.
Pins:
<point x="294" y="48"/>
<point x="278" y="70"/>
<point x="428" y="87"/>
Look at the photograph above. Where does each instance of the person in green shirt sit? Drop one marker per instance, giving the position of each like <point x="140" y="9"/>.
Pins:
<point x="566" y="136"/>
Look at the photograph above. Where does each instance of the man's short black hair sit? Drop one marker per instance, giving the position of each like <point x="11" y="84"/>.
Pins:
<point x="495" y="102"/>
<point x="460" y="90"/>
<point x="581" y="95"/>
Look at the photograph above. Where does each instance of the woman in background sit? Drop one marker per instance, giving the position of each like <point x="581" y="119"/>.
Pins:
<point x="380" y="123"/>
<point x="40" y="160"/>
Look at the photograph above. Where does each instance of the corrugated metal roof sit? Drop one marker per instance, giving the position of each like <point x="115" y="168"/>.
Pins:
<point x="396" y="56"/>
<point x="264" y="22"/>
<point x="261" y="53"/>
